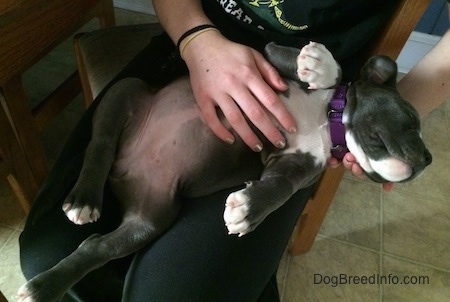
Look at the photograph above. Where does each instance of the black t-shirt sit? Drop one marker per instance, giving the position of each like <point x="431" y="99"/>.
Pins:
<point x="344" y="26"/>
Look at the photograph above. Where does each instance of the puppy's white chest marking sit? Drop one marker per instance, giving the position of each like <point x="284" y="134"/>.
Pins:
<point x="309" y="110"/>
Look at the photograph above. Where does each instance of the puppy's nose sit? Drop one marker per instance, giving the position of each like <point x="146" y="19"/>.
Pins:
<point x="427" y="157"/>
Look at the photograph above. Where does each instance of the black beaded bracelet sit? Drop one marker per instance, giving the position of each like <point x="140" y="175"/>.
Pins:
<point x="192" y="31"/>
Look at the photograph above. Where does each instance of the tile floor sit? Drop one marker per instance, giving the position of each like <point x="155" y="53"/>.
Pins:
<point x="367" y="233"/>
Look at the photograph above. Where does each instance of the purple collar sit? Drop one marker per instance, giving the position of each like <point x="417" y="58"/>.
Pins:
<point x="337" y="128"/>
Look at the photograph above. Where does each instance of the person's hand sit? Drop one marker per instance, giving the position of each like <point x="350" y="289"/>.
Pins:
<point x="239" y="81"/>
<point x="350" y="163"/>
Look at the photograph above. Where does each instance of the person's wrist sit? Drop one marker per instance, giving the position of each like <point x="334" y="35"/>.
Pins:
<point x="201" y="46"/>
<point x="193" y="33"/>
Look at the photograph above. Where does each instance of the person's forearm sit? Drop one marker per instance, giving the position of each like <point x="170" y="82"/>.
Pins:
<point x="427" y="85"/>
<point x="178" y="16"/>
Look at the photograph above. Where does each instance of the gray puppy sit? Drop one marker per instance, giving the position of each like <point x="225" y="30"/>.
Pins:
<point x="154" y="149"/>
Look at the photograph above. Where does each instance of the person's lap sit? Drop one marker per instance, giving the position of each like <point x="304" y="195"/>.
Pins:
<point x="195" y="260"/>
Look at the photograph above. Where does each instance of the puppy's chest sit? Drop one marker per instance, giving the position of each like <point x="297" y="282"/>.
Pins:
<point x="309" y="108"/>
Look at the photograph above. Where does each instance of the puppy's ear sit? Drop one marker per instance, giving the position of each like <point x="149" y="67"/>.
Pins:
<point x="380" y="70"/>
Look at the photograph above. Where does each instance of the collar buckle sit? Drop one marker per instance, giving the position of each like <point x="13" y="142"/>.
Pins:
<point x="339" y="148"/>
<point x="337" y="128"/>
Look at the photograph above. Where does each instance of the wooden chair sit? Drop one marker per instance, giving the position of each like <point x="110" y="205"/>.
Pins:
<point x="99" y="61"/>
<point x="390" y="41"/>
<point x="29" y="29"/>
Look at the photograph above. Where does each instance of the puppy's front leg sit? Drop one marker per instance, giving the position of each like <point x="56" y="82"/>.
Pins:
<point x="317" y="67"/>
<point x="247" y="208"/>
<point x="313" y="64"/>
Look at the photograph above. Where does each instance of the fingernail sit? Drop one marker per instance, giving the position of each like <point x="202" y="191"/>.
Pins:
<point x="230" y="140"/>
<point x="280" y="144"/>
<point x="293" y="130"/>
<point x="258" y="148"/>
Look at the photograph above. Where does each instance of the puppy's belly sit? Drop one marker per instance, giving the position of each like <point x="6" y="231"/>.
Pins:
<point x="186" y="159"/>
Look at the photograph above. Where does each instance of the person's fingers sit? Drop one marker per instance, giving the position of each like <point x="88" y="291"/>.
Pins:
<point x="263" y="91"/>
<point x="349" y="162"/>
<point x="258" y="116"/>
<point x="211" y="119"/>
<point x="237" y="121"/>
<point x="333" y="162"/>
<point x="269" y="72"/>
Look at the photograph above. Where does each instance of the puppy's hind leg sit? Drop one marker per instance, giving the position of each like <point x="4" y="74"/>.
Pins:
<point x="84" y="202"/>
<point x="50" y="286"/>
<point x="283" y="176"/>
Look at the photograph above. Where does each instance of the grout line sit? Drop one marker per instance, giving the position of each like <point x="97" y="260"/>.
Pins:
<point x="401" y="190"/>
<point x="286" y="274"/>
<point x="382" y="197"/>
<point x="13" y="227"/>
<point x="410" y="261"/>
<point x="447" y="120"/>
<point x="414" y="262"/>
<point x="348" y="243"/>
<point x="8" y="226"/>
<point x="21" y="224"/>
<point x="8" y="239"/>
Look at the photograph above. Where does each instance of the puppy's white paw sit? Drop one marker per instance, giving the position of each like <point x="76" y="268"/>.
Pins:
<point x="24" y="295"/>
<point x="81" y="215"/>
<point x="317" y="66"/>
<point x="236" y="211"/>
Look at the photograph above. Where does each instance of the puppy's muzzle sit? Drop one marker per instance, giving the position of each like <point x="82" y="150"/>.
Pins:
<point x="416" y="169"/>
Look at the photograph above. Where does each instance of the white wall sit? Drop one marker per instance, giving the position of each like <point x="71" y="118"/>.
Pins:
<point x="415" y="48"/>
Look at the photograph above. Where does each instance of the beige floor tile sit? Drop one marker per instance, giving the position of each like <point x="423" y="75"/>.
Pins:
<point x="446" y="106"/>
<point x="11" y="277"/>
<point x="435" y="179"/>
<point x="434" y="182"/>
<point x="435" y="131"/>
<point x="424" y="283"/>
<point x="282" y="272"/>
<point x="11" y="223"/>
<point x="354" y="215"/>
<point x="328" y="260"/>
<point x="417" y="228"/>
<point x="11" y="214"/>
<point x="5" y="234"/>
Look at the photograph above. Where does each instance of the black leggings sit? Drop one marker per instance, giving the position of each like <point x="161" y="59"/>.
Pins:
<point x="195" y="260"/>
